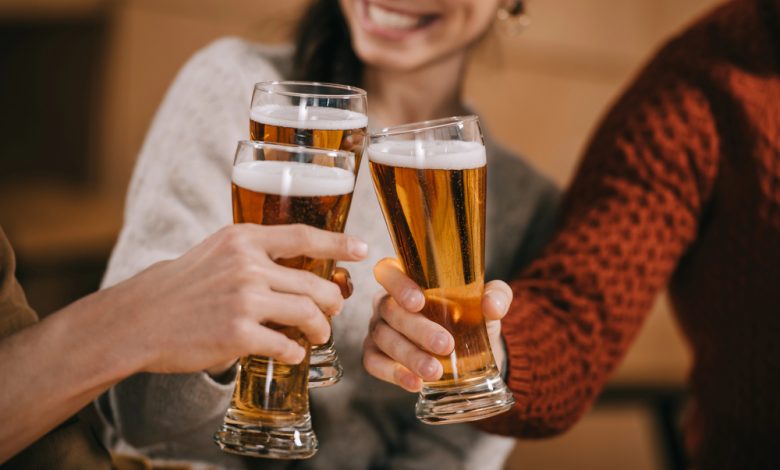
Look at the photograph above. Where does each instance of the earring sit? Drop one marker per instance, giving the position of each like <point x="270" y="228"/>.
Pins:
<point x="513" y="17"/>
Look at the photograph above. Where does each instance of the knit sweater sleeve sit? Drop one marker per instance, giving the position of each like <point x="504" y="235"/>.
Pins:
<point x="180" y="194"/>
<point x="633" y="209"/>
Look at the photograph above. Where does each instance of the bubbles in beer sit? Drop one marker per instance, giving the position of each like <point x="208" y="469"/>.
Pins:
<point x="308" y="117"/>
<point x="293" y="179"/>
<point x="429" y="154"/>
<point x="432" y="196"/>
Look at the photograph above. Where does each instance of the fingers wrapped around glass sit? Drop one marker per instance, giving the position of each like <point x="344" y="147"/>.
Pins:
<point x="312" y="114"/>
<point x="430" y="178"/>
<point x="276" y="184"/>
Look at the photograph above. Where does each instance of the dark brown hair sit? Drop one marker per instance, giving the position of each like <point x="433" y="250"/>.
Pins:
<point x="323" y="49"/>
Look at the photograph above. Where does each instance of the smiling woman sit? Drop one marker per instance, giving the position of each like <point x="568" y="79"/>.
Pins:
<point x="410" y="57"/>
<point x="407" y="35"/>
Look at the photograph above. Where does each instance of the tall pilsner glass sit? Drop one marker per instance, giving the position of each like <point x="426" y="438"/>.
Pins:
<point x="283" y="184"/>
<point x="430" y="178"/>
<point x="312" y="114"/>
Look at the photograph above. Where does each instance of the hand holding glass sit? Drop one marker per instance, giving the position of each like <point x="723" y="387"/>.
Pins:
<point x="431" y="180"/>
<point x="311" y="114"/>
<point x="283" y="184"/>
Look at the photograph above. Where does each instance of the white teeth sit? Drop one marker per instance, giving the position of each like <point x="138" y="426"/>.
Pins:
<point x="391" y="19"/>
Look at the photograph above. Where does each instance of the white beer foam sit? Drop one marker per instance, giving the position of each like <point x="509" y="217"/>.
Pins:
<point x="293" y="179"/>
<point x="311" y="117"/>
<point x="429" y="154"/>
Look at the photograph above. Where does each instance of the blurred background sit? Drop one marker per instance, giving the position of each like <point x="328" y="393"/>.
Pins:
<point x="81" y="79"/>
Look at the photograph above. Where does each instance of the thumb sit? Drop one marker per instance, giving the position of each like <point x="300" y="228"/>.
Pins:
<point x="495" y="300"/>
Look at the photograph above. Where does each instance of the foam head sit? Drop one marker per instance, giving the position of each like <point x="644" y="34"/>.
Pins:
<point x="429" y="154"/>
<point x="308" y="117"/>
<point x="293" y="179"/>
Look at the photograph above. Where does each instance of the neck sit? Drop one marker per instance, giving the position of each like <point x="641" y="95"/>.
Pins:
<point x="410" y="96"/>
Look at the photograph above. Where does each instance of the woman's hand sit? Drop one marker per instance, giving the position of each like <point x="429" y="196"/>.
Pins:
<point x="208" y="307"/>
<point x="400" y="344"/>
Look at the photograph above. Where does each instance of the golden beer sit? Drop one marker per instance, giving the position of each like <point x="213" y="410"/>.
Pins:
<point x="288" y="113"/>
<point x="314" y="195"/>
<point x="438" y="227"/>
<point x="432" y="192"/>
<point x="269" y="411"/>
<point x="314" y="126"/>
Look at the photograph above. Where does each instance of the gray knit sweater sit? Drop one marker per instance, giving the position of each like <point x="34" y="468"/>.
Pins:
<point x="180" y="193"/>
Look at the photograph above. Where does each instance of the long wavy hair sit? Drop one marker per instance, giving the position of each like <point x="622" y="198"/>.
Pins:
<point x="323" y="48"/>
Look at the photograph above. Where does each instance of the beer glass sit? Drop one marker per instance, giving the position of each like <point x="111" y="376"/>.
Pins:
<point x="430" y="179"/>
<point x="283" y="184"/>
<point x="311" y="114"/>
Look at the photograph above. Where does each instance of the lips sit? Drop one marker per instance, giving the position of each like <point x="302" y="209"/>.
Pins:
<point x="391" y="19"/>
<point x="393" y="23"/>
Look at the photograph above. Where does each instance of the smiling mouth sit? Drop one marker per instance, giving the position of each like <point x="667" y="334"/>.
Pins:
<point x="396" y="20"/>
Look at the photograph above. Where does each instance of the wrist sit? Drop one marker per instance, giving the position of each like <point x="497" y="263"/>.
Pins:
<point x="108" y="335"/>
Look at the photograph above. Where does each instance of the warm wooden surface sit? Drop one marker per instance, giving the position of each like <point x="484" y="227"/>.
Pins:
<point x="50" y="224"/>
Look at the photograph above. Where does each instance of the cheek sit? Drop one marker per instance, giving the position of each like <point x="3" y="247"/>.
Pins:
<point x="471" y="20"/>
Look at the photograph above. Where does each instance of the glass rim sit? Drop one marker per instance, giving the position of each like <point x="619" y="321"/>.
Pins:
<point x="349" y="90"/>
<point x="259" y="144"/>
<point x="423" y="126"/>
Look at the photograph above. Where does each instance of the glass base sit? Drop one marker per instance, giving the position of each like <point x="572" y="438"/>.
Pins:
<point x="470" y="401"/>
<point x="272" y="442"/>
<point x="324" y="366"/>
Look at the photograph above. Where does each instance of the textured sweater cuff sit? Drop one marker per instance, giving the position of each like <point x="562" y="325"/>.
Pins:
<point x="225" y="378"/>
<point x="518" y="368"/>
<point x="150" y="408"/>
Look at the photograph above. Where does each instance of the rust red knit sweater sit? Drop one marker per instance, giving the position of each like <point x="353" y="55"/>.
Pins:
<point x="679" y="188"/>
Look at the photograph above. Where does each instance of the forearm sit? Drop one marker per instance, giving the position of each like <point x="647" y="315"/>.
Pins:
<point x="54" y="368"/>
<point x="630" y="215"/>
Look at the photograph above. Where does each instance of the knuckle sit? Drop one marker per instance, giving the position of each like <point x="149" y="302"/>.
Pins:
<point x="342" y="242"/>
<point x="234" y="238"/>
<point x="239" y="331"/>
<point x="389" y="311"/>
<point x="371" y="358"/>
<point x="244" y="272"/>
<point x="310" y="306"/>
<point x="276" y="347"/>
<point x="310" y="311"/>
<point x="303" y="234"/>
<point x="368" y="362"/>
<point x="382" y="334"/>
<point x="398" y="371"/>
<point x="311" y="281"/>
<point x="373" y="326"/>
<point x="311" y="315"/>
<point x="333" y="291"/>
<point x="243" y="301"/>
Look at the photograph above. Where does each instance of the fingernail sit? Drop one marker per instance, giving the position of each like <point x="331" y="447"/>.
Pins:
<point x="429" y="368"/>
<point x="409" y="382"/>
<point x="301" y="354"/>
<point x="357" y="247"/>
<point x="348" y="288"/>
<point x="412" y="298"/>
<point x="440" y="344"/>
<point x="499" y="300"/>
